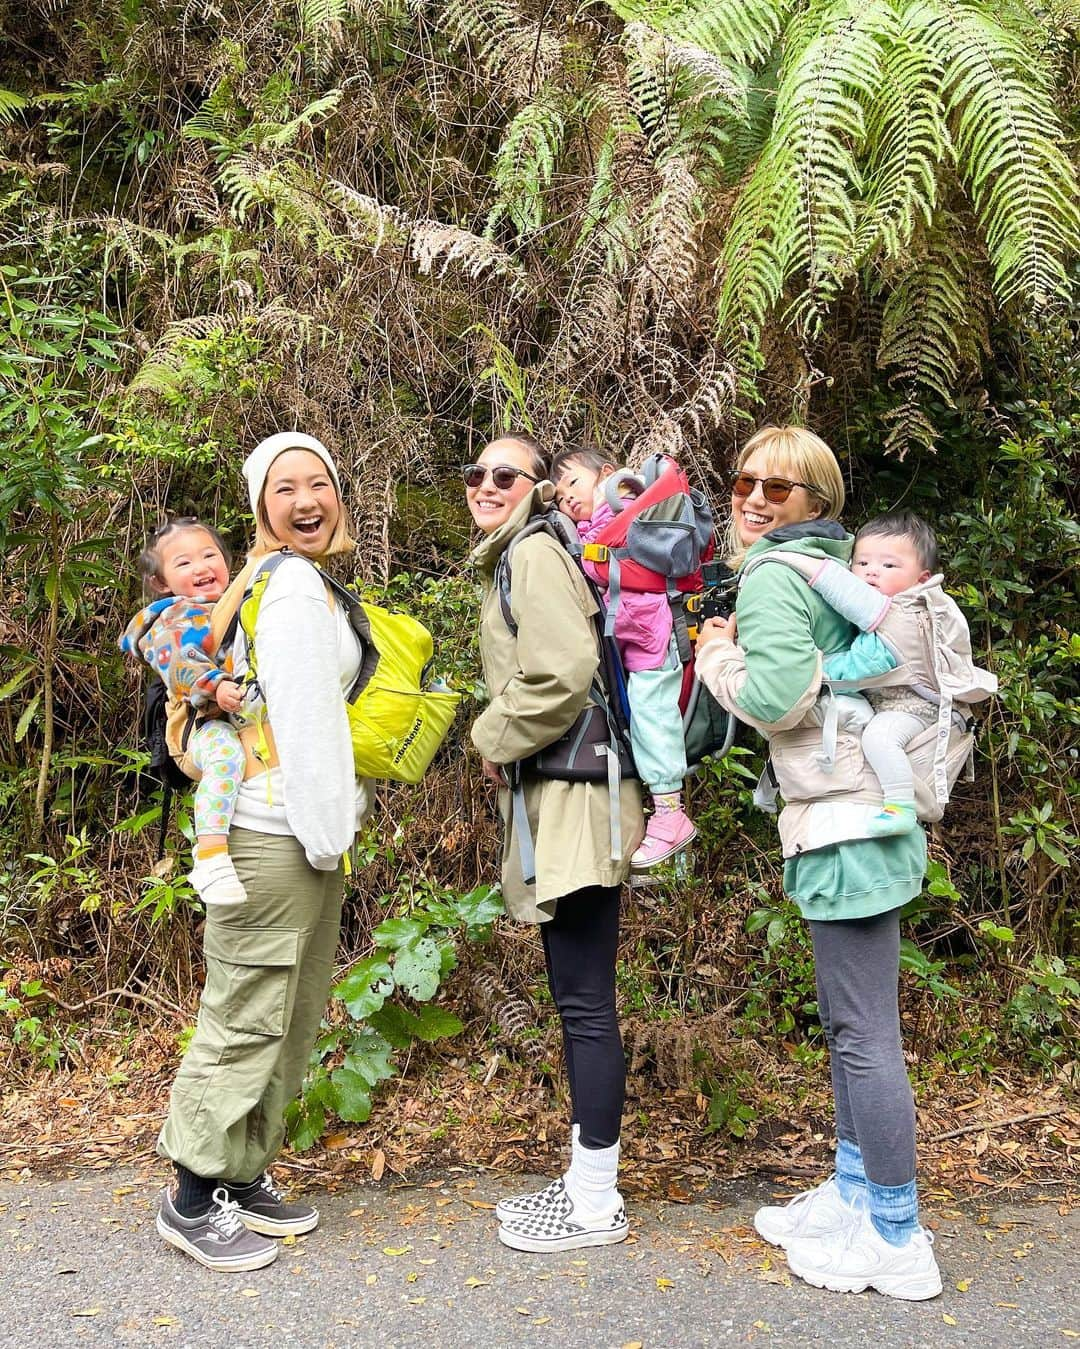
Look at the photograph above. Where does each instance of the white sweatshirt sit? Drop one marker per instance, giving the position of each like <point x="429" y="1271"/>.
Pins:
<point x="309" y="656"/>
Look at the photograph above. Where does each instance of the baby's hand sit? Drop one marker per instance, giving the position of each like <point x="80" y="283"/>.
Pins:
<point x="713" y="629"/>
<point x="228" y="695"/>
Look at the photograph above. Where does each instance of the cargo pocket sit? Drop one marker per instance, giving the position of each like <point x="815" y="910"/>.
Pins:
<point x="255" y="965"/>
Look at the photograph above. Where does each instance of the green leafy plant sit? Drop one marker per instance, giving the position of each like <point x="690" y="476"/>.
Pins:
<point x="385" y="1002"/>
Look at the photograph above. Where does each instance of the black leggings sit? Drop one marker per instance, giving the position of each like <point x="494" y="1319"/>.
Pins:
<point x="579" y="948"/>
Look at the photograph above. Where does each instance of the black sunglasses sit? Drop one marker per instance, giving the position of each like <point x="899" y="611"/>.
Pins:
<point x="503" y="475"/>
<point x="774" y="490"/>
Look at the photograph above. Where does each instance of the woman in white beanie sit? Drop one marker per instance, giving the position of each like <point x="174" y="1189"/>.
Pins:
<point x="269" y="961"/>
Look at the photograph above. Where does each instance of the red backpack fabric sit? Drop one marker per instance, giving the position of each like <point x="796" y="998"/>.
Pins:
<point x="656" y="542"/>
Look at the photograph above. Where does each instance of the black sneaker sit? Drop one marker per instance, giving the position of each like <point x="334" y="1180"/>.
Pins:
<point x="261" y="1207"/>
<point x="217" y="1239"/>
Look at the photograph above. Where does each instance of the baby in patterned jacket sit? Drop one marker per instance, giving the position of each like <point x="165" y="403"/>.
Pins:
<point x="185" y="565"/>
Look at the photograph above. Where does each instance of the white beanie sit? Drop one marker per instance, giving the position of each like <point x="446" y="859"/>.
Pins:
<point x="257" y="464"/>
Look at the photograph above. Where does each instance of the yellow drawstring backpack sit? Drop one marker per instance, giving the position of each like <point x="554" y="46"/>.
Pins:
<point x="396" y="724"/>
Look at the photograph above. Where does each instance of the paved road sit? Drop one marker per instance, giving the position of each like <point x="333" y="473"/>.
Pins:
<point x="80" y="1264"/>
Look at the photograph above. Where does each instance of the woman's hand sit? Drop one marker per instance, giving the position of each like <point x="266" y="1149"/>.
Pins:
<point x="494" y="773"/>
<point x="716" y="629"/>
<point x="228" y="695"/>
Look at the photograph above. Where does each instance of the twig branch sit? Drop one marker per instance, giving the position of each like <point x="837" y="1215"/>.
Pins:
<point x="998" y="1123"/>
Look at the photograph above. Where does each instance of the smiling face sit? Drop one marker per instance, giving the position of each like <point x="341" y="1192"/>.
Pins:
<point x="492" y="506"/>
<point x="191" y="565"/>
<point x="301" y="503"/>
<point x="754" y="517"/>
<point x="888" y="562"/>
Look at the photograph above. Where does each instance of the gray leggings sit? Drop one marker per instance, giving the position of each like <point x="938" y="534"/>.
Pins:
<point x="857" y="966"/>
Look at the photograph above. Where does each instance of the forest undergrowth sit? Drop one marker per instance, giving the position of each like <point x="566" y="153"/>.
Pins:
<point x="401" y="226"/>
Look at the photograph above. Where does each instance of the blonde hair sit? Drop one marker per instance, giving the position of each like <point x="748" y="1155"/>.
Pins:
<point x="266" y="541"/>
<point x="795" y="452"/>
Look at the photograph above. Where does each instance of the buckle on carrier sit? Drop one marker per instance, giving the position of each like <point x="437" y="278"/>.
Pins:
<point x="595" y="552"/>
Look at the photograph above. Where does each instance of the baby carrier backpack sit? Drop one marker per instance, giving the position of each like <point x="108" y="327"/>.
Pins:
<point x="655" y="543"/>
<point x="810" y="763"/>
<point x="597" y="747"/>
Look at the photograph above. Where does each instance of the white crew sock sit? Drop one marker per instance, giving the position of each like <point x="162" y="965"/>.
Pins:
<point x="590" y="1182"/>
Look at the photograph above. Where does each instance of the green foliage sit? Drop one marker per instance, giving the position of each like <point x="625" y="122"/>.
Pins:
<point x="413" y="954"/>
<point x="399" y="226"/>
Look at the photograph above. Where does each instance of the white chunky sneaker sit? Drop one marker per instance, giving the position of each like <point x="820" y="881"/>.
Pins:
<point x="522" y="1205"/>
<point x="819" y="1212"/>
<point x="861" y="1258"/>
<point x="559" y="1226"/>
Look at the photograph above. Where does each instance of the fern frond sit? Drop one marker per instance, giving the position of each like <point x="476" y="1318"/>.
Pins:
<point x="1007" y="135"/>
<point x="669" y="266"/>
<point x="934" y="332"/>
<point x="662" y="435"/>
<point x="284" y="133"/>
<point x="712" y="76"/>
<point x="162" y="371"/>
<point x="11" y="105"/>
<point x="249" y="181"/>
<point x="525" y="164"/>
<point x="907" y="141"/>
<point x="218" y="121"/>
<point x="607" y="214"/>
<point x="506" y="44"/>
<point x="797" y="212"/>
<point x="919" y="341"/>
<point x="907" y="427"/>
<point x="744" y="31"/>
<point x="368" y="219"/>
<point x="431" y="243"/>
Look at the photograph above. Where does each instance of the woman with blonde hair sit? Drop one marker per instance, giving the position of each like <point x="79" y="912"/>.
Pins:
<point x="860" y="1228"/>
<point x="269" y="960"/>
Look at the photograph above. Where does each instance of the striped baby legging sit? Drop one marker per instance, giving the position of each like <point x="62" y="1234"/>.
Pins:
<point x="215" y="747"/>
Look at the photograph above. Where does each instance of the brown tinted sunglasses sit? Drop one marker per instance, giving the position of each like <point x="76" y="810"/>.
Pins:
<point x="774" y="490"/>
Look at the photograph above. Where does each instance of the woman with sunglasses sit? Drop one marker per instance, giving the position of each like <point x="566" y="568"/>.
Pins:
<point x="860" y="1228"/>
<point x="538" y="670"/>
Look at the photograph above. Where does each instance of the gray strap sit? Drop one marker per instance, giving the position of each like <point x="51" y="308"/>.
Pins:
<point x="614" y="800"/>
<point x="826" y="758"/>
<point x="614" y="591"/>
<point x="766" y="791"/>
<point x="526" y="850"/>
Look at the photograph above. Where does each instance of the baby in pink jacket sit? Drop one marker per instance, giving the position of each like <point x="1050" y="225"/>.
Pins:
<point x="644" y="636"/>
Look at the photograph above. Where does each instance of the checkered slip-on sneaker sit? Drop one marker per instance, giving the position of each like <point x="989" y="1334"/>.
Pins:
<point x="263" y="1208"/>
<point x="217" y="1238"/>
<point x="523" y="1205"/>
<point x="560" y="1227"/>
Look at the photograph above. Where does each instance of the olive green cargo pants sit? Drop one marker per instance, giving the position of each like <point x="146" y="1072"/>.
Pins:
<point x="269" y="964"/>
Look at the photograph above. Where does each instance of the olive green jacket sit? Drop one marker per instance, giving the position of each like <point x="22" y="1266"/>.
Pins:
<point x="538" y="683"/>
